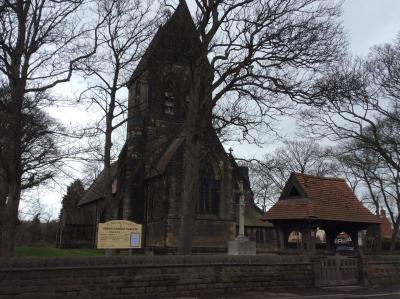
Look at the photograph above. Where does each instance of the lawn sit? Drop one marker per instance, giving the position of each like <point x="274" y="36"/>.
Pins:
<point x="25" y="251"/>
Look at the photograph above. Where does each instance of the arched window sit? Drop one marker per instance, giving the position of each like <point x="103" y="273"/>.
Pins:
<point x="209" y="191"/>
<point x="295" y="240"/>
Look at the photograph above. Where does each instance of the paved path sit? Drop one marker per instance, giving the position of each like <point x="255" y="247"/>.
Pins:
<point x="349" y="292"/>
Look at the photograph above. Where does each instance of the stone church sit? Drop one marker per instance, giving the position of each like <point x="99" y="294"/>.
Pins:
<point x="148" y="175"/>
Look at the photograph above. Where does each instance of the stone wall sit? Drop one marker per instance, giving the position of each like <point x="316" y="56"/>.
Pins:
<point x="382" y="269"/>
<point x="133" y="277"/>
<point x="147" y="276"/>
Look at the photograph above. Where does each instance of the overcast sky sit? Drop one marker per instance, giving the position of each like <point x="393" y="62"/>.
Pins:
<point x="371" y="22"/>
<point x="367" y="22"/>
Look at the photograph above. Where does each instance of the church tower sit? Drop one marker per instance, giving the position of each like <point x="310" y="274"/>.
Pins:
<point x="157" y="97"/>
<point x="151" y="163"/>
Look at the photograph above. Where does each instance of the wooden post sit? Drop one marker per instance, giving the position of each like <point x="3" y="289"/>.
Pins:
<point x="281" y="239"/>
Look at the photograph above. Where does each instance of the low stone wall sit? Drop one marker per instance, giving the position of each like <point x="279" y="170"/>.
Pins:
<point x="133" y="277"/>
<point x="383" y="269"/>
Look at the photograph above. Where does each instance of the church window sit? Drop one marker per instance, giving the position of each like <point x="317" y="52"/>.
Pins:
<point x="209" y="192"/>
<point x="169" y="104"/>
<point x="155" y="197"/>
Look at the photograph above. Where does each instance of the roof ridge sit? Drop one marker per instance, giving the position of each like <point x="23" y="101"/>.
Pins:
<point x="330" y="199"/>
<point x="327" y="178"/>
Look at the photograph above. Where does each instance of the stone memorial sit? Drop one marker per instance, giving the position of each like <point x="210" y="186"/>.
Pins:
<point x="241" y="245"/>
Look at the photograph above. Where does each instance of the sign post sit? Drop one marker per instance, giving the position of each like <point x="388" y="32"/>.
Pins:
<point x="119" y="234"/>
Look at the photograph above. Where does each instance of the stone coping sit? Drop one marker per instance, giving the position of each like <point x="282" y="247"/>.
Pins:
<point x="384" y="257"/>
<point x="147" y="261"/>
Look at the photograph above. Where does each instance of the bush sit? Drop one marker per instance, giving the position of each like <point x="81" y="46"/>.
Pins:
<point x="36" y="233"/>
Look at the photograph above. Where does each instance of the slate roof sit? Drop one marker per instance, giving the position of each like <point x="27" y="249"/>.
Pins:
<point x="252" y="217"/>
<point x="96" y="190"/>
<point x="319" y="198"/>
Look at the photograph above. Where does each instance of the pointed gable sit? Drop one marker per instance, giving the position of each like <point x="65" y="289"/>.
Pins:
<point x="177" y="41"/>
<point x="293" y="189"/>
<point x="322" y="199"/>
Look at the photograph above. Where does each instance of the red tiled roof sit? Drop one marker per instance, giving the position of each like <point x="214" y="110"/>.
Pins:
<point x="320" y="198"/>
<point x="386" y="227"/>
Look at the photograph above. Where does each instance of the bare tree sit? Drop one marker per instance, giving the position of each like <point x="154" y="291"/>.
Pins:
<point x="358" y="103"/>
<point x="40" y="152"/>
<point x="303" y="156"/>
<point x="268" y="176"/>
<point x="40" y="43"/>
<point x="123" y="37"/>
<point x="361" y="166"/>
<point x="262" y="52"/>
<point x="263" y="183"/>
<point x="380" y="180"/>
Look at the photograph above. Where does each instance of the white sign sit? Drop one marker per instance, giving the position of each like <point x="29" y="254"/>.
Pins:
<point x="119" y="234"/>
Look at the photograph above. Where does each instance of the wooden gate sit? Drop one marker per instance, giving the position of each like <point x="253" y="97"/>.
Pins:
<point x="338" y="271"/>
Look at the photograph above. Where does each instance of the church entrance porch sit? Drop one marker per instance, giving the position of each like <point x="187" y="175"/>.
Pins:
<point x="309" y="203"/>
<point x="310" y="237"/>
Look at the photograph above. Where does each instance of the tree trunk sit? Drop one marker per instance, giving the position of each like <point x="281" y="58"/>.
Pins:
<point x="12" y="155"/>
<point x="8" y="238"/>
<point x="109" y="204"/>
<point x="190" y="192"/>
<point x="111" y="207"/>
<point x="393" y="241"/>
<point x="3" y="198"/>
<point x="10" y="220"/>
<point x="197" y="125"/>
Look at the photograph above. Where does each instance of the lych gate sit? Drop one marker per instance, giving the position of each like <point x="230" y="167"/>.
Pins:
<point x="308" y="203"/>
<point x="301" y="236"/>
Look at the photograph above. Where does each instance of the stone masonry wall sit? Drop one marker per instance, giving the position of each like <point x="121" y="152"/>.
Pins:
<point x="383" y="269"/>
<point x="141" y="276"/>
